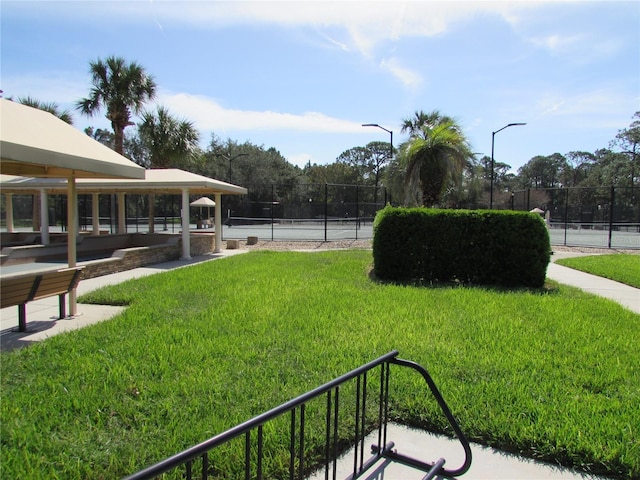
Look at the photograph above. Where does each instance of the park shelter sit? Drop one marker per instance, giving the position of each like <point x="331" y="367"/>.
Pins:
<point x="36" y="143"/>
<point x="156" y="181"/>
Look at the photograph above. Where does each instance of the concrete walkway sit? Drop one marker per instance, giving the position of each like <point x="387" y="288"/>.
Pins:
<point x="625" y="295"/>
<point x="487" y="463"/>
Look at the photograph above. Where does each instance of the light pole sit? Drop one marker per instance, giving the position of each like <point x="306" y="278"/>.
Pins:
<point x="388" y="131"/>
<point x="493" y="136"/>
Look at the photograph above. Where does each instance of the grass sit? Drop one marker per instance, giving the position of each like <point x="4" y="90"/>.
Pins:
<point x="552" y="374"/>
<point x="621" y="267"/>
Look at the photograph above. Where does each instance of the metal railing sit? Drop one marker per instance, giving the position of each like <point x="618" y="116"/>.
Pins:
<point x="198" y="462"/>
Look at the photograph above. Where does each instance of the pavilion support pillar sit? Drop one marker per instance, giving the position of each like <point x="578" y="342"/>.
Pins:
<point x="186" y="235"/>
<point x="122" y="216"/>
<point x="95" y="214"/>
<point x="218" y="222"/>
<point x="44" y="217"/>
<point x="152" y="213"/>
<point x="8" y="206"/>
<point x="72" y="233"/>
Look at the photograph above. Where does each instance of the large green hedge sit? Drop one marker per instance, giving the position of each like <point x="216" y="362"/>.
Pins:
<point x="482" y="247"/>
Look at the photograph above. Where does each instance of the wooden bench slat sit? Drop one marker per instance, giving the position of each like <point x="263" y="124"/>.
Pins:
<point x="18" y="290"/>
<point x="16" y="293"/>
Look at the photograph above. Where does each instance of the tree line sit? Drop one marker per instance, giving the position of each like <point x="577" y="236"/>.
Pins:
<point x="433" y="166"/>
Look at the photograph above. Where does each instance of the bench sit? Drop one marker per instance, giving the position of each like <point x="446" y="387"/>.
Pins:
<point x="21" y="289"/>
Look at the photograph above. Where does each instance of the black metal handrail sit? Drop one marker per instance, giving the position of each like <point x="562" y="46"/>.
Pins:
<point x="297" y="467"/>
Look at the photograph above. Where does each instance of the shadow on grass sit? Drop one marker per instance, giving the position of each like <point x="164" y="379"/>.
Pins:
<point x="549" y="287"/>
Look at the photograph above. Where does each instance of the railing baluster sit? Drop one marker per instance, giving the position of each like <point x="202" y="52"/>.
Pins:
<point x="336" y="406"/>
<point x="259" y="474"/>
<point x="357" y="438"/>
<point x="381" y="408"/>
<point x="363" y="426"/>
<point x="327" y="440"/>
<point x="292" y="445"/>
<point x="187" y="471"/>
<point x="301" y="466"/>
<point x="247" y="456"/>
<point x="205" y="465"/>
<point x="387" y="371"/>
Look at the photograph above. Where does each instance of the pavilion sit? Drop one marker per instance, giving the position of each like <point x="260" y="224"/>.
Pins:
<point x="156" y="181"/>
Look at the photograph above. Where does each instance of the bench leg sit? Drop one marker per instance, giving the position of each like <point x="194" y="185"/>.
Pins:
<point x="63" y="307"/>
<point x="22" y="317"/>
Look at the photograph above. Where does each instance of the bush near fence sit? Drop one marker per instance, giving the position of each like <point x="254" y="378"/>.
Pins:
<point x="481" y="247"/>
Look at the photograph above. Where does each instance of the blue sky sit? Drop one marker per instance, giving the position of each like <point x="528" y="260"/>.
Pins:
<point x="302" y="76"/>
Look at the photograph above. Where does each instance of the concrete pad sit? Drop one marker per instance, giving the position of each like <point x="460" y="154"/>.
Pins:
<point x="487" y="463"/>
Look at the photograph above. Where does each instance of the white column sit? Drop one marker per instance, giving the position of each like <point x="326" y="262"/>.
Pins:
<point x="8" y="207"/>
<point x="152" y="213"/>
<point x="122" y="227"/>
<point x="186" y="236"/>
<point x="44" y="217"/>
<point x="95" y="214"/>
<point x="218" y="222"/>
<point x="72" y="233"/>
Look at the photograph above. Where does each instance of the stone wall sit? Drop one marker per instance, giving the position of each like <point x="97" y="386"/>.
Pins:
<point x="134" y="257"/>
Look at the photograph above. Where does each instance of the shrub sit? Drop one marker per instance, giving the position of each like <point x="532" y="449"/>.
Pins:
<point x="482" y="247"/>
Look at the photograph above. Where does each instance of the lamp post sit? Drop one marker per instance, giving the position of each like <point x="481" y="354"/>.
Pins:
<point x="388" y="131"/>
<point x="493" y="136"/>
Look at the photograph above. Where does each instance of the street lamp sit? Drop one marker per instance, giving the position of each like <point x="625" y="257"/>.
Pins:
<point x="493" y="136"/>
<point x="231" y="158"/>
<point x="388" y="131"/>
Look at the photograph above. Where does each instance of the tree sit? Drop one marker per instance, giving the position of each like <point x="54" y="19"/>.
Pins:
<point x="367" y="162"/>
<point x="543" y="171"/>
<point x="628" y="141"/>
<point x="50" y="107"/>
<point x="577" y="168"/>
<point x="414" y="126"/>
<point x="122" y="88"/>
<point x="169" y="141"/>
<point x="101" y="135"/>
<point x="434" y="158"/>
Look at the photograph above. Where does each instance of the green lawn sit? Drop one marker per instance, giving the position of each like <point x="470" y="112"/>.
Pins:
<point x="623" y="268"/>
<point x="553" y="374"/>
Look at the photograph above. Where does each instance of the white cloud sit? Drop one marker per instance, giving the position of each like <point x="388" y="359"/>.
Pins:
<point x="409" y="78"/>
<point x="593" y="109"/>
<point x="207" y="114"/>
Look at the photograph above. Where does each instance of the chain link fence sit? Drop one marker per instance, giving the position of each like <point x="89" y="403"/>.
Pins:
<point x="307" y="212"/>
<point x="586" y="216"/>
<point x="607" y="217"/>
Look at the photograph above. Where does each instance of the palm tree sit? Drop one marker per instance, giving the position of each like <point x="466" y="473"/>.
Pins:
<point x="169" y="141"/>
<point x="434" y="158"/>
<point x="415" y="125"/>
<point x="50" y="107"/>
<point x="122" y="89"/>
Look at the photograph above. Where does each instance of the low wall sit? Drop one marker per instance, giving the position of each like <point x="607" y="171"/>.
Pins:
<point x="134" y="257"/>
<point x="130" y="258"/>
<point x="157" y="248"/>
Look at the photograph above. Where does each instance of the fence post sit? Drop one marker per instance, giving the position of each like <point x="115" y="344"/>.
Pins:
<point x="611" y="204"/>
<point x="272" y="200"/>
<point x="357" y="212"/>
<point x="566" y="216"/>
<point x="326" y="201"/>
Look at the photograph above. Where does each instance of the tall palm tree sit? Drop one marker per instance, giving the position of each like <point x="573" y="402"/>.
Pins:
<point x="434" y="159"/>
<point x="50" y="107"/>
<point x="168" y="140"/>
<point x="120" y="87"/>
<point x="414" y="126"/>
